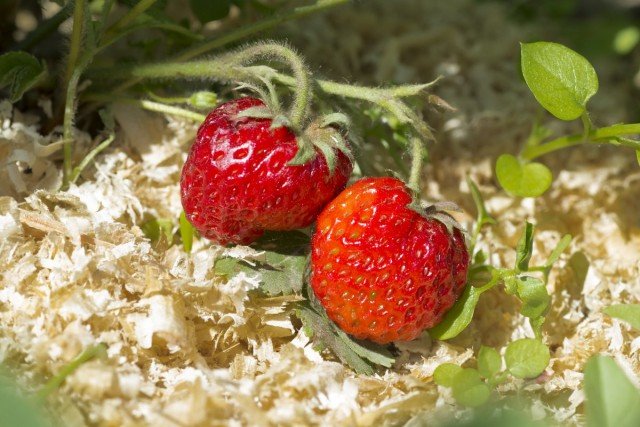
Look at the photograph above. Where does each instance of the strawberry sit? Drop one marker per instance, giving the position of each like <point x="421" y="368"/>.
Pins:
<point x="383" y="271"/>
<point x="239" y="178"/>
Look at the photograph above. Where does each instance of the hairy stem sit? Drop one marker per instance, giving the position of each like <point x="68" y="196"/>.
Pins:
<point x="302" y="75"/>
<point x="150" y="106"/>
<point x="594" y="136"/>
<point x="67" y="136"/>
<point x="76" y="38"/>
<point x="417" y="151"/>
<point x="245" y="32"/>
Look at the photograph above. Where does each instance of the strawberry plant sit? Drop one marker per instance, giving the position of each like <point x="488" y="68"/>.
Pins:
<point x="562" y="81"/>
<point x="282" y="205"/>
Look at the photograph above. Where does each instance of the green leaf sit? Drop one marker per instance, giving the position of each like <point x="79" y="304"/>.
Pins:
<point x="527" y="358"/>
<point x="626" y="40"/>
<point x="612" y="400"/>
<point x="208" y="10"/>
<point x="559" y="249"/>
<point x="359" y="355"/>
<point x="524" y="248"/>
<point x="522" y="179"/>
<point x="468" y="389"/>
<point x="158" y="227"/>
<point x="15" y="409"/>
<point x="534" y="296"/>
<point x="489" y="362"/>
<point x="458" y="318"/>
<point x="19" y="71"/>
<point x="638" y="156"/>
<point x="186" y="232"/>
<point x="445" y="373"/>
<point x="483" y="216"/>
<point x="630" y="313"/>
<point x="561" y="80"/>
<point x="281" y="267"/>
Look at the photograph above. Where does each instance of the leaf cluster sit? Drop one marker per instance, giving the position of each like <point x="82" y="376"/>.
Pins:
<point x="525" y="358"/>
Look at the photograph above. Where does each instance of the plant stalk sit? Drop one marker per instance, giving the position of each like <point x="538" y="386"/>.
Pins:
<point x="594" y="136"/>
<point x="76" y="38"/>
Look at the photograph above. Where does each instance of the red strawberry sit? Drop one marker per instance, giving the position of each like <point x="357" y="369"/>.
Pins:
<point x="237" y="182"/>
<point x="382" y="271"/>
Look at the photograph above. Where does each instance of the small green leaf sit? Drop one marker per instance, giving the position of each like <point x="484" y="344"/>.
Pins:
<point x="526" y="358"/>
<point x="612" y="400"/>
<point x="489" y="362"/>
<point x="19" y="71"/>
<point x="458" y="318"/>
<point x="468" y="389"/>
<point x="186" y="232"/>
<point x="445" y="373"/>
<point x="207" y="10"/>
<point x="630" y="313"/>
<point x="525" y="248"/>
<point x="559" y="249"/>
<point x="561" y="80"/>
<point x="638" y="156"/>
<point x="158" y="227"/>
<point x="483" y="216"/>
<point x="534" y="296"/>
<point x="626" y="40"/>
<point x="522" y="179"/>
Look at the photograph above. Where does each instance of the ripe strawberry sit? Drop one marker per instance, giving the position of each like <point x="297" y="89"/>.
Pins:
<point x="381" y="270"/>
<point x="237" y="181"/>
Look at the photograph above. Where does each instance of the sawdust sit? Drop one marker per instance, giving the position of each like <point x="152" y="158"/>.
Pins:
<point x="186" y="348"/>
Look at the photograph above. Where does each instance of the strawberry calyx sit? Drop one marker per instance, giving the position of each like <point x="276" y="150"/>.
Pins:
<point x="438" y="211"/>
<point x="325" y="135"/>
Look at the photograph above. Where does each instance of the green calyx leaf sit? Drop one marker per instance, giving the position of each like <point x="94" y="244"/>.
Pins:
<point x="307" y="152"/>
<point x="489" y="362"/>
<point x="19" y="71"/>
<point x="524" y="249"/>
<point x="527" y="358"/>
<point x="629" y="313"/>
<point x="561" y="80"/>
<point x="323" y="136"/>
<point x="522" y="179"/>
<point x="612" y="399"/>
<point x="468" y="389"/>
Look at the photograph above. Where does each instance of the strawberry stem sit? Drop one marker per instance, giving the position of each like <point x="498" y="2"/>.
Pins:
<point x="302" y="88"/>
<point x="417" y="153"/>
